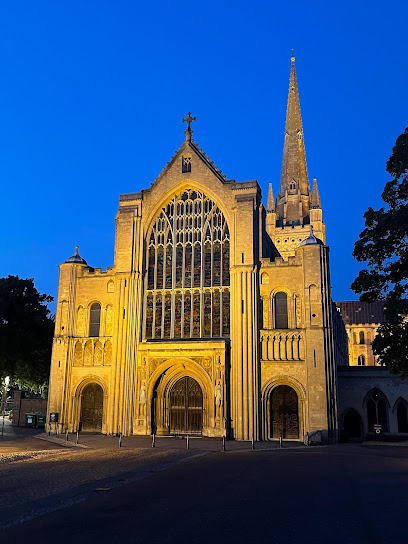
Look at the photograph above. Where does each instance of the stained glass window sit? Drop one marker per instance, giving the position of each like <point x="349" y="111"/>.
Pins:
<point x="188" y="250"/>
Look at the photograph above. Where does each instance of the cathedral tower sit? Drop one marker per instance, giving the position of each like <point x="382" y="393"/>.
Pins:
<point x="297" y="210"/>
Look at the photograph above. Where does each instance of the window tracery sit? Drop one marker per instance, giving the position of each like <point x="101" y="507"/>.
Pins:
<point x="188" y="276"/>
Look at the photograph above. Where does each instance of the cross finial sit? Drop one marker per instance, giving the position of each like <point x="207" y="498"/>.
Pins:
<point x="189" y="130"/>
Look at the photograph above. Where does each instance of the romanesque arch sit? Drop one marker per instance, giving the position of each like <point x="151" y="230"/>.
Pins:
<point x="283" y="409"/>
<point x="89" y="405"/>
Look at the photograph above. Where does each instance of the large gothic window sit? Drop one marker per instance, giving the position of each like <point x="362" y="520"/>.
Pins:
<point x="188" y="275"/>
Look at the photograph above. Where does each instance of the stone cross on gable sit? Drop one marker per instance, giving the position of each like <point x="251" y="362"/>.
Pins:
<point x="189" y="130"/>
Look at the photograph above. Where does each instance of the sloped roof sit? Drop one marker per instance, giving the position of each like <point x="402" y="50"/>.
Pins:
<point x="355" y="312"/>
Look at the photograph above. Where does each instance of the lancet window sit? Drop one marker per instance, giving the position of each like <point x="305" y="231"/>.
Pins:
<point x="188" y="270"/>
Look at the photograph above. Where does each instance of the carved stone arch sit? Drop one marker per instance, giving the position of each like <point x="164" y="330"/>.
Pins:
<point x="110" y="286"/>
<point x="89" y="380"/>
<point x="162" y="381"/>
<point x="80" y="321"/>
<point x="378" y="390"/>
<point x="266" y="395"/>
<point x="108" y="320"/>
<point x="178" y="188"/>
<point x="289" y="316"/>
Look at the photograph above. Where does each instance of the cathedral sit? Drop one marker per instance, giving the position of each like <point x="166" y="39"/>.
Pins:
<point x="216" y="318"/>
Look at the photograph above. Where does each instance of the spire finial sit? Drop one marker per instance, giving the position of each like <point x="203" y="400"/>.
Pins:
<point x="189" y="130"/>
<point x="76" y="250"/>
<point x="292" y="58"/>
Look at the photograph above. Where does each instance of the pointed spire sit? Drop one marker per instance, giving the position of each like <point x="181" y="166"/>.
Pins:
<point x="270" y="206"/>
<point x="315" y="195"/>
<point x="294" y="179"/>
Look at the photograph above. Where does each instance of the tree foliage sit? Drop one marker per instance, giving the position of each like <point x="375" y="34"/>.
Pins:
<point x="383" y="245"/>
<point x="26" y="332"/>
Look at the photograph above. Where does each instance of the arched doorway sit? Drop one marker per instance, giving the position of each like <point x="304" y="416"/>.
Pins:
<point x="284" y="406"/>
<point x="92" y="408"/>
<point x="402" y="418"/>
<point x="186" y="407"/>
<point x="352" y="424"/>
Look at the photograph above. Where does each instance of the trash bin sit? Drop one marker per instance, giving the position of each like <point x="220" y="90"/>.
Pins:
<point x="30" y="420"/>
<point x="41" y="419"/>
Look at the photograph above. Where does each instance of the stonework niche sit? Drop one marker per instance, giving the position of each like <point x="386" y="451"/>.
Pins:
<point x="188" y="275"/>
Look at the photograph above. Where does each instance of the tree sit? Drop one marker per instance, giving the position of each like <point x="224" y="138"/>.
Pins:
<point x="26" y="332"/>
<point x="383" y="244"/>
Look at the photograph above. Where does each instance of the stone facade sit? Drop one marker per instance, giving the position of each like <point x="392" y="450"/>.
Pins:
<point x="216" y="318"/>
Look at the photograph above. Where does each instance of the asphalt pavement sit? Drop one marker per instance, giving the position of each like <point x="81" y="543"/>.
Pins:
<point x="336" y="494"/>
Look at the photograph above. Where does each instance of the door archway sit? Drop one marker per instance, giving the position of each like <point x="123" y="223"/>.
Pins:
<point x="284" y="413"/>
<point x="353" y="425"/>
<point x="92" y="408"/>
<point x="186" y="407"/>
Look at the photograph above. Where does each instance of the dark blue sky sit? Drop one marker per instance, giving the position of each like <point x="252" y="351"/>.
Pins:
<point x="92" y="95"/>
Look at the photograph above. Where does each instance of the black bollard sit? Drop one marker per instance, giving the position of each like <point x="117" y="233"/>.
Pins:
<point x="153" y="440"/>
<point x="77" y="437"/>
<point x="223" y="444"/>
<point x="253" y="443"/>
<point x="49" y="429"/>
<point x="120" y="440"/>
<point x="66" y="435"/>
<point x="187" y="442"/>
<point x="57" y="430"/>
<point x="280" y="442"/>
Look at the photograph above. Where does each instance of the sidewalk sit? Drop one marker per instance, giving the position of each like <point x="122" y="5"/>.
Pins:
<point x="97" y="441"/>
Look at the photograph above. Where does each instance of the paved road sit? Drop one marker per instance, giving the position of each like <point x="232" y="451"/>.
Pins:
<point x="339" y="494"/>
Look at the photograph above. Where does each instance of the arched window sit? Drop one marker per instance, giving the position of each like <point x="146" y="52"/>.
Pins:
<point x="377" y="410"/>
<point x="402" y="417"/>
<point x="281" y="311"/>
<point x="361" y="337"/>
<point x="361" y="360"/>
<point x="188" y="250"/>
<point x="94" y="319"/>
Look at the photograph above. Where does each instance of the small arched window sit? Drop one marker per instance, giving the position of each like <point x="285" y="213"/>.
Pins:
<point x="264" y="279"/>
<point x="361" y="360"/>
<point x="281" y="311"/>
<point x="94" y="319"/>
<point x="292" y="186"/>
<point x="362" y="340"/>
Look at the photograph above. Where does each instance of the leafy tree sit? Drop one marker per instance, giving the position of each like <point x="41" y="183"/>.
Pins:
<point x="26" y="332"/>
<point x="383" y="244"/>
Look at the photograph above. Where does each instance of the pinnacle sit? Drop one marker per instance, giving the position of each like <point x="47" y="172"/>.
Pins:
<point x="315" y="195"/>
<point x="270" y="205"/>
